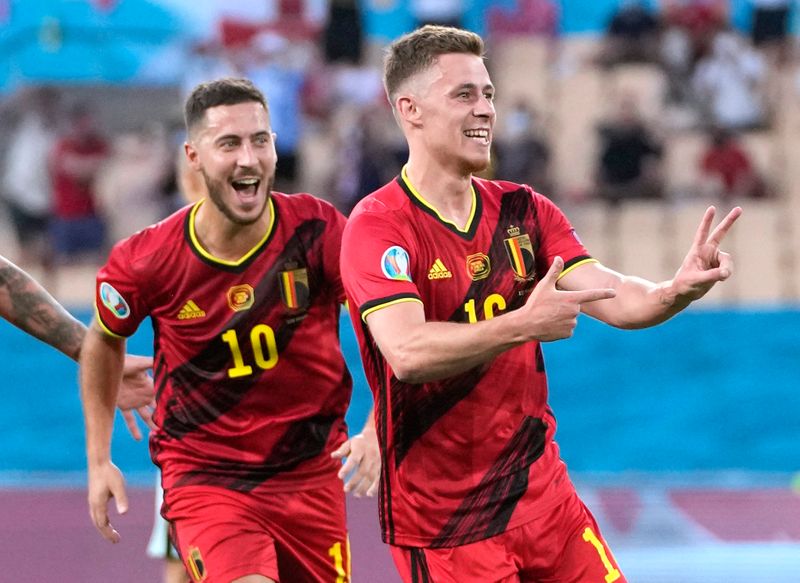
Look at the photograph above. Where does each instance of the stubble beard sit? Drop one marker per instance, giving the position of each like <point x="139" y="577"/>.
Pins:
<point x="215" y="193"/>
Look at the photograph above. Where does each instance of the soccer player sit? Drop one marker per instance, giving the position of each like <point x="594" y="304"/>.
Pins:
<point x="243" y="289"/>
<point x="29" y="307"/>
<point x="457" y="281"/>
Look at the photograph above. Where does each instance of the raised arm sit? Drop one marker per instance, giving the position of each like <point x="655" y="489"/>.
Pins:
<point x="641" y="303"/>
<point x="421" y="351"/>
<point x="101" y="364"/>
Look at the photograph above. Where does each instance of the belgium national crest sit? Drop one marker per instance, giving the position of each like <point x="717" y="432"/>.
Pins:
<point x="520" y="253"/>
<point x="294" y="288"/>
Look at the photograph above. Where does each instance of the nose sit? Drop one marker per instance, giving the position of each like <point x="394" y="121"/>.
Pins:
<point x="484" y="107"/>
<point x="247" y="156"/>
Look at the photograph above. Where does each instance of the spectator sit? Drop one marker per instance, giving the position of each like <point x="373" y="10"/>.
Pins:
<point x="523" y="154"/>
<point x="279" y="68"/>
<point x="529" y="17"/>
<point x="130" y="185"/>
<point x="343" y="37"/>
<point x="726" y="170"/>
<point x="632" y="35"/>
<point x="689" y="26"/>
<point x="729" y="84"/>
<point x="770" y="27"/>
<point x="630" y="157"/>
<point x="26" y="183"/>
<point x="74" y="166"/>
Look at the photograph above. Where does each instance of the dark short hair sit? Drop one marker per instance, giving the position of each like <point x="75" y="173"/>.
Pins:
<point x="227" y="91"/>
<point x="418" y="50"/>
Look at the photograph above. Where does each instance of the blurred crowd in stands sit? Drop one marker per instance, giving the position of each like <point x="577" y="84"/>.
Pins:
<point x="72" y="187"/>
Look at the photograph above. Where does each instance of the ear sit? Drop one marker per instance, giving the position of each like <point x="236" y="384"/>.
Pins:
<point x="408" y="110"/>
<point x="191" y="156"/>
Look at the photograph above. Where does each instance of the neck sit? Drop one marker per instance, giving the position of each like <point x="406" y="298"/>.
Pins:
<point x="448" y="191"/>
<point x="225" y="239"/>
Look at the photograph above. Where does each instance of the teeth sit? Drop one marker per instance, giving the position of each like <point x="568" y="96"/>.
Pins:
<point x="477" y="133"/>
<point x="247" y="181"/>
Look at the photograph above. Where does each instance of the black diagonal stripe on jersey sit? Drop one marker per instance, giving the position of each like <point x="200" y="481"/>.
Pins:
<point x="202" y="391"/>
<point x="304" y="440"/>
<point x="420" y="572"/>
<point x="374" y="366"/>
<point x="223" y="266"/>
<point x="415" y="411"/>
<point x="476" y="218"/>
<point x="485" y="512"/>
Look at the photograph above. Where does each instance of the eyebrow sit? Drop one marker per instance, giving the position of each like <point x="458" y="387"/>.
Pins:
<point x="472" y="86"/>
<point x="238" y="137"/>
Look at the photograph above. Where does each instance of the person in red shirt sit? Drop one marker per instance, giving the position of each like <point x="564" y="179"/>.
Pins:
<point x="726" y="170"/>
<point x="457" y="282"/>
<point x="243" y="290"/>
<point x="75" y="161"/>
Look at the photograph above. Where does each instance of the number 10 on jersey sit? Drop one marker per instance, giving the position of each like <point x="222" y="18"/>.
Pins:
<point x="265" y="350"/>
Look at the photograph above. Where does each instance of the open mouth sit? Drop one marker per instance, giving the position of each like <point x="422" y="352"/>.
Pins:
<point x="481" y="135"/>
<point x="246" y="188"/>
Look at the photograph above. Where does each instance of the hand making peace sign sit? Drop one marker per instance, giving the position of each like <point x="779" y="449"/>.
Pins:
<point x="705" y="264"/>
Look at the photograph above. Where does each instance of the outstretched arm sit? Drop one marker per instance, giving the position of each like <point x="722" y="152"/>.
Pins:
<point x="420" y="351"/>
<point x="640" y="303"/>
<point x="101" y="364"/>
<point x="27" y="305"/>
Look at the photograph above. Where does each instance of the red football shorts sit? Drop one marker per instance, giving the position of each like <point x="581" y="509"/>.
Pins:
<point x="563" y="546"/>
<point x="223" y="535"/>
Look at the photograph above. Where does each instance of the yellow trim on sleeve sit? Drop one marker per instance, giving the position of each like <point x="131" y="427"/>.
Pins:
<point x="104" y="327"/>
<point x="386" y="305"/>
<point x="578" y="264"/>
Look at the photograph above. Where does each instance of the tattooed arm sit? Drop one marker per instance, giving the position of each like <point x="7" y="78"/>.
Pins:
<point x="29" y="307"/>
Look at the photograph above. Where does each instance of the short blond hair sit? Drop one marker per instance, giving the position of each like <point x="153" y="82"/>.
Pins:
<point x="416" y="51"/>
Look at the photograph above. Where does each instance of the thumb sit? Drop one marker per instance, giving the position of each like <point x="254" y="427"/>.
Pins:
<point x="342" y="451"/>
<point x="139" y="362"/>
<point x="554" y="272"/>
<point x="121" y="499"/>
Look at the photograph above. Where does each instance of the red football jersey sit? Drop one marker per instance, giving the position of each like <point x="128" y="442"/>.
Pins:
<point x="251" y="384"/>
<point x="473" y="455"/>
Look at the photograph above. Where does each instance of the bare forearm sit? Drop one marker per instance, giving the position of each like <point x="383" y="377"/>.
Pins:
<point x="100" y="373"/>
<point x="639" y="304"/>
<point x="437" y="350"/>
<point x="28" y="306"/>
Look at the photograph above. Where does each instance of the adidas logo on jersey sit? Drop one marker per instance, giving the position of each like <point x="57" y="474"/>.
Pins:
<point x="439" y="271"/>
<point x="190" y="311"/>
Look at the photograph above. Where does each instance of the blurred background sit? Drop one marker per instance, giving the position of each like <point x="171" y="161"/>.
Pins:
<point x="633" y="116"/>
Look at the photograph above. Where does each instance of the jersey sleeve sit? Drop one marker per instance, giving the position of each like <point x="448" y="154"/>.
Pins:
<point x="332" y="250"/>
<point x="119" y="305"/>
<point x="558" y="238"/>
<point x="376" y="264"/>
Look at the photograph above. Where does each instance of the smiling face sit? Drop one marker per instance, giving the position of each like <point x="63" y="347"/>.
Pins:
<point x="454" y="111"/>
<point x="233" y="147"/>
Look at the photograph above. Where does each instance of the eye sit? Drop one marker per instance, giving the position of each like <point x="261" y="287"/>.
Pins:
<point x="261" y="139"/>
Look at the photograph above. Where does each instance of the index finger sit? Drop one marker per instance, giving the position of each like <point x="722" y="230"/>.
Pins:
<point x="591" y="295"/>
<point x="130" y="423"/>
<point x="719" y="233"/>
<point x="101" y="523"/>
<point x="701" y="235"/>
